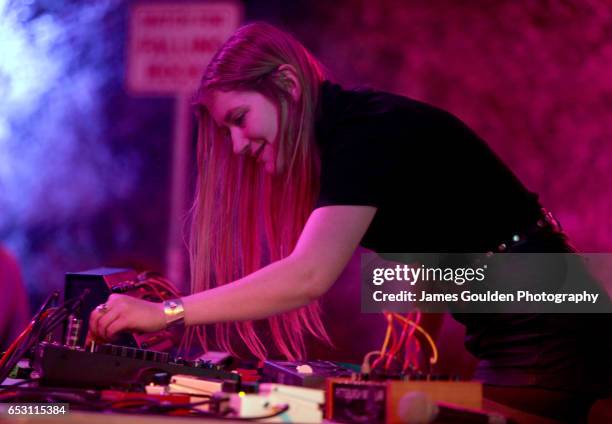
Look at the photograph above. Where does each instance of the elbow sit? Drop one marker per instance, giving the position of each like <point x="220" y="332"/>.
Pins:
<point x="315" y="290"/>
<point x="313" y="283"/>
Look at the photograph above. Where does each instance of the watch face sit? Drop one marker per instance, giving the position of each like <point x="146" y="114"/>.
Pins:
<point x="172" y="304"/>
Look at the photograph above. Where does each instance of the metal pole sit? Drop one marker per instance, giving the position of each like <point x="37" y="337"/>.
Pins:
<point x="176" y="264"/>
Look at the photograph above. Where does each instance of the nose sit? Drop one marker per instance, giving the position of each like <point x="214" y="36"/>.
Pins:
<point x="240" y="143"/>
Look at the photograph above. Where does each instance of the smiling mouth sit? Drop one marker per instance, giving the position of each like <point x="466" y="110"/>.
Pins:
<point x="258" y="152"/>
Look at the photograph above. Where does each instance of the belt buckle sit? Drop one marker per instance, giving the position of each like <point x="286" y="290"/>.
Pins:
<point x="549" y="219"/>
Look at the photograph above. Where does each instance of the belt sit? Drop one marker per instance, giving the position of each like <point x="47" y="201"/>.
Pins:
<point x="545" y="223"/>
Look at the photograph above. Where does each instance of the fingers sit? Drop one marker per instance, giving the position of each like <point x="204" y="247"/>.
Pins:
<point x="121" y="312"/>
<point x="93" y="322"/>
<point x="89" y="339"/>
<point x="106" y="320"/>
<point x="115" y="327"/>
<point x="104" y="315"/>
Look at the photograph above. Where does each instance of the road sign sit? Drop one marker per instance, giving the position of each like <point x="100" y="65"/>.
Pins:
<point x="170" y="44"/>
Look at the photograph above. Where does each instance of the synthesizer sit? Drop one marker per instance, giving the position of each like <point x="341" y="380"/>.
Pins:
<point x="112" y="366"/>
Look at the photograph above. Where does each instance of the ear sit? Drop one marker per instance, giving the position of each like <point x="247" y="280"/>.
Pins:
<point x="288" y="80"/>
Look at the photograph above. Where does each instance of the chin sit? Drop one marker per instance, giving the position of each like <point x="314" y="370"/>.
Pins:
<point x="276" y="169"/>
<point x="269" y="169"/>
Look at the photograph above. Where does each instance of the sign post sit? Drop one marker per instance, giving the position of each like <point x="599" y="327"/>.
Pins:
<point x="170" y="45"/>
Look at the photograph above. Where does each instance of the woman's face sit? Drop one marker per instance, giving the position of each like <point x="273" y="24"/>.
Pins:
<point x="251" y="122"/>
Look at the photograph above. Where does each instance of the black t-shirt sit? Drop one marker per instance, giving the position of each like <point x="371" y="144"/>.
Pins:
<point x="436" y="185"/>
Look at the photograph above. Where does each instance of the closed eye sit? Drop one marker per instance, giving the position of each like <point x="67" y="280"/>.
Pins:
<point x="239" y="120"/>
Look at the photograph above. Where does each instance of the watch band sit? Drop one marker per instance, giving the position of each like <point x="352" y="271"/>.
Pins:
<point x="174" y="312"/>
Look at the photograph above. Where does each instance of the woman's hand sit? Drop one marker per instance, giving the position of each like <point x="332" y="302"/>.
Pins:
<point x="125" y="313"/>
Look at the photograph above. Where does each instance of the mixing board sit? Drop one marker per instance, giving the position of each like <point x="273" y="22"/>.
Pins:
<point x="113" y="366"/>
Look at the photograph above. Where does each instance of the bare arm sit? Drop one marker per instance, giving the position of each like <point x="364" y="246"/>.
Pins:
<point x="326" y="244"/>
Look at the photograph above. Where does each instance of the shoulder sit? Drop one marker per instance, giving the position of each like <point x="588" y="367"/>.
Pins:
<point x="365" y="113"/>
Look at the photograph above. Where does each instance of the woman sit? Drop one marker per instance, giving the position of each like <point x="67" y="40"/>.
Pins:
<point x="296" y="172"/>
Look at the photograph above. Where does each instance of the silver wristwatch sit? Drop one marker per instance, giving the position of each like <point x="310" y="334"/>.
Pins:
<point x="174" y="312"/>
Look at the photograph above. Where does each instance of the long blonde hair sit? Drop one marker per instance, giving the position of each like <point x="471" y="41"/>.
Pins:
<point x="242" y="217"/>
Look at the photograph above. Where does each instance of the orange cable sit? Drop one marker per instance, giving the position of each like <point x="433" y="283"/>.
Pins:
<point x="434" y="349"/>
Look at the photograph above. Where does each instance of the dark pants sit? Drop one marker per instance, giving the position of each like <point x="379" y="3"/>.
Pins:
<point x="554" y="404"/>
<point x="550" y="365"/>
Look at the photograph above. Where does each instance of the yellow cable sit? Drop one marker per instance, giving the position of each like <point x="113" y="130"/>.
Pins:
<point x="383" y="350"/>
<point x="389" y="317"/>
<point x="434" y="349"/>
<point x="365" y="365"/>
